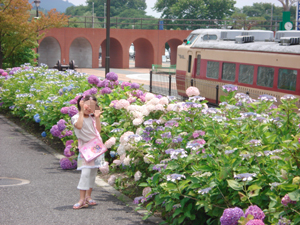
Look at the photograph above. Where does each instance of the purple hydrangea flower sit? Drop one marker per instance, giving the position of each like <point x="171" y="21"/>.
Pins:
<point x="134" y="86"/>
<point x="124" y="84"/>
<point x="61" y="125"/>
<point x="286" y="200"/>
<point x="1" y="71"/>
<point x="93" y="91"/>
<point x="69" y="133"/>
<point x="255" y="222"/>
<point x="166" y="135"/>
<point x="231" y="216"/>
<point x="173" y="177"/>
<point x="112" y="76"/>
<point x="72" y="111"/>
<point x="66" y="164"/>
<point x="55" y="131"/>
<point x="137" y="200"/>
<point x="255" y="211"/>
<point x="73" y="102"/>
<point x="229" y="87"/>
<point x="68" y="152"/>
<point x="159" y="96"/>
<point x="1" y="103"/>
<point x="69" y="142"/>
<point x="284" y="221"/>
<point x="64" y="110"/>
<point x="93" y="79"/>
<point x="106" y="90"/>
<point x="171" y="123"/>
<point x="137" y="93"/>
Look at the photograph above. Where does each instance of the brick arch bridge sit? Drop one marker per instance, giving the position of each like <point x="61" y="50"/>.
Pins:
<point x="83" y="44"/>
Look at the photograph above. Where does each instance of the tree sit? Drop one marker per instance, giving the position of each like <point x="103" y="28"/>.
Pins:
<point x="287" y="4"/>
<point x="18" y="32"/>
<point x="193" y="10"/>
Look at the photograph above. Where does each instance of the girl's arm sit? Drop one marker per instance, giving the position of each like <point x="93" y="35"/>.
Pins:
<point x="79" y="122"/>
<point x="98" y="124"/>
<point x="97" y="115"/>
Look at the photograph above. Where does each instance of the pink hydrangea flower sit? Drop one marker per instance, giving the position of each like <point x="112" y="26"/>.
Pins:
<point x="117" y="162"/>
<point x="138" y="121"/>
<point x="137" y="176"/>
<point x="112" y="180"/>
<point x="146" y="191"/>
<point x="164" y="101"/>
<point x="255" y="222"/>
<point x="104" y="169"/>
<point x="149" y="96"/>
<point x="122" y="104"/>
<point x="110" y="142"/>
<point x="197" y="133"/>
<point x="192" y="91"/>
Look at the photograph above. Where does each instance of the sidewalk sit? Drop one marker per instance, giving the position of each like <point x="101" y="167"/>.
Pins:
<point x="46" y="193"/>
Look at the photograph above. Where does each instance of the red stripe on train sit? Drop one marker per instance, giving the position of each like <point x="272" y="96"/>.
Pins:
<point x="181" y="72"/>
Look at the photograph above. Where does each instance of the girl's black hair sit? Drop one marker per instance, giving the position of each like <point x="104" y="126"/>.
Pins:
<point x="86" y="98"/>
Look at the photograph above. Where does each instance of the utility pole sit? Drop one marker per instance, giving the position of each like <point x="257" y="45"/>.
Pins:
<point x="93" y="16"/>
<point x="107" y="59"/>
<point x="271" y="18"/>
<point x="104" y="14"/>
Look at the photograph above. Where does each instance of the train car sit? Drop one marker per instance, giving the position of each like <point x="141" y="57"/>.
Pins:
<point x="262" y="67"/>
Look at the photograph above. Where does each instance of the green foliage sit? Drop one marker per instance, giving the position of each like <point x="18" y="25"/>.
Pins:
<point x="23" y="55"/>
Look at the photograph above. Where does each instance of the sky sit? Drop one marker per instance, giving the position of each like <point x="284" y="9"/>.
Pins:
<point x="150" y="4"/>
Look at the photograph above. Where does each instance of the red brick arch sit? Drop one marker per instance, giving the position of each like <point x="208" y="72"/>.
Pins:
<point x="149" y="44"/>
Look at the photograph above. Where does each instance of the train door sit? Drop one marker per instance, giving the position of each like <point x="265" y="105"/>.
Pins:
<point x="197" y="66"/>
<point x="189" y="64"/>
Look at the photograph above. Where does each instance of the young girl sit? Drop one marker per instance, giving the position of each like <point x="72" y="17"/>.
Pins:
<point x="84" y="126"/>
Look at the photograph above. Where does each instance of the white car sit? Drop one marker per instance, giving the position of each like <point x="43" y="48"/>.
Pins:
<point x="131" y="52"/>
<point x="167" y="53"/>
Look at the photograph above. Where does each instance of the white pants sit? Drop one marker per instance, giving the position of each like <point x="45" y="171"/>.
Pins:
<point x="87" y="178"/>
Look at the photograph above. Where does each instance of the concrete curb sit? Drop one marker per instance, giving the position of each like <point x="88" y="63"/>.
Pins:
<point x="100" y="182"/>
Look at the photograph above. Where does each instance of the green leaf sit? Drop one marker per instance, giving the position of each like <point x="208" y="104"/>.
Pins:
<point x="288" y="187"/>
<point x="143" y="184"/>
<point x="254" y="187"/>
<point x="225" y="171"/>
<point x="235" y="185"/>
<point x="295" y="195"/>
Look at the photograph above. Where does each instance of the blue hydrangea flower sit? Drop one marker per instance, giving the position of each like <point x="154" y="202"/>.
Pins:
<point x="36" y="118"/>
<point x="44" y="134"/>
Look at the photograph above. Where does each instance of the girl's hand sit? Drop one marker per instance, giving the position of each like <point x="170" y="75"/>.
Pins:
<point x="81" y="103"/>
<point x="98" y="113"/>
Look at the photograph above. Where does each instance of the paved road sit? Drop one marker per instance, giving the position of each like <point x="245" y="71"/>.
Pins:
<point x="51" y="193"/>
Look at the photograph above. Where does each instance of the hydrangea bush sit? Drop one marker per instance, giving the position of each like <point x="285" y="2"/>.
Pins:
<point x="238" y="163"/>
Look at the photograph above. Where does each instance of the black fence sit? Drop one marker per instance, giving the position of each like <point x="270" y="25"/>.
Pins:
<point x="175" y="85"/>
<point x="168" y="24"/>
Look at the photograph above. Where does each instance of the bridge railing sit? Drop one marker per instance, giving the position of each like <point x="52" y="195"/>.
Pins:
<point x="167" y="24"/>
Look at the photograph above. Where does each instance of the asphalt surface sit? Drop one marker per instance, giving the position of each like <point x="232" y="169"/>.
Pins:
<point x="49" y="196"/>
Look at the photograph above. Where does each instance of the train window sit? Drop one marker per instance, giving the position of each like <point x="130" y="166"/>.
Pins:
<point x="287" y="79"/>
<point x="210" y="37"/>
<point x="212" y="70"/>
<point x="198" y="65"/>
<point x="246" y="74"/>
<point x="228" y="71"/>
<point x="191" y="38"/>
<point x="190" y="63"/>
<point x="265" y="76"/>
